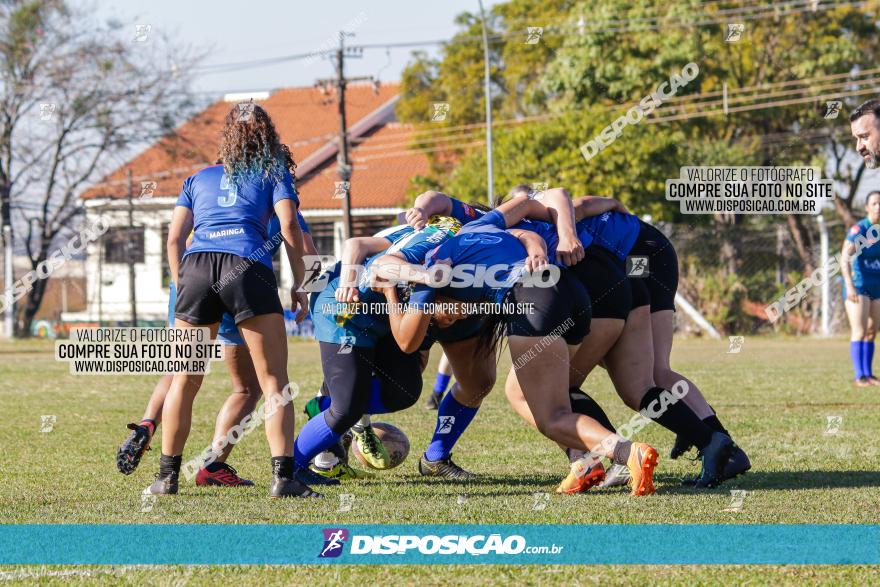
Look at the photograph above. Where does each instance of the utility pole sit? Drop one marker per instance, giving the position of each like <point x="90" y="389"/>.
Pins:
<point x="8" y="270"/>
<point x="487" y="90"/>
<point x="7" y="283"/>
<point x="343" y="164"/>
<point x="132" y="296"/>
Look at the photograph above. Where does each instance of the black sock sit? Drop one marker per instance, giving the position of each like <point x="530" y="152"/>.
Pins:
<point x="169" y="465"/>
<point x="715" y="424"/>
<point x="282" y="467"/>
<point x="150" y="424"/>
<point x="214" y="466"/>
<point x="574" y="454"/>
<point x="621" y="451"/>
<point x="677" y="417"/>
<point x="581" y="403"/>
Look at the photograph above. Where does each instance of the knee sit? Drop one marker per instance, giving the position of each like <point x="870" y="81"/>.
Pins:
<point x="247" y="388"/>
<point x="341" y="420"/>
<point x="550" y="424"/>
<point x="469" y="396"/>
<point x="633" y="401"/>
<point x="249" y="394"/>
<point x="472" y="391"/>
<point x="663" y="376"/>
<point x="858" y="330"/>
<point x="407" y="400"/>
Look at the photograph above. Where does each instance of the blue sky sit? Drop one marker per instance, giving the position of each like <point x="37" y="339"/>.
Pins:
<point x="235" y="31"/>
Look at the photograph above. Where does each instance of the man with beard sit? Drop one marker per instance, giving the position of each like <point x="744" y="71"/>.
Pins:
<point x="865" y="126"/>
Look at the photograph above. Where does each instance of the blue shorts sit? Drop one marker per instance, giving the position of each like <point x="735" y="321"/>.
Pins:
<point x="228" y="332"/>
<point x="870" y="289"/>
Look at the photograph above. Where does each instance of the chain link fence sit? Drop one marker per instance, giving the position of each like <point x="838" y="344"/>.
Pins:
<point x="730" y="274"/>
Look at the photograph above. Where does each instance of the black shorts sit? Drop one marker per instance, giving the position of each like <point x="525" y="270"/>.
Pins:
<point x="639" y="292"/>
<point x="563" y="308"/>
<point x="209" y="284"/>
<point x="457" y="331"/>
<point x="604" y="276"/>
<point x="662" y="280"/>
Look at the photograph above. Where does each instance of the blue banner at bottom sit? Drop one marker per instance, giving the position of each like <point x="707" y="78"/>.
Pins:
<point x="439" y="544"/>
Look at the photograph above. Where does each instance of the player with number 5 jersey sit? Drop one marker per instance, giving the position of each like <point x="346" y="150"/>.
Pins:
<point x="225" y="271"/>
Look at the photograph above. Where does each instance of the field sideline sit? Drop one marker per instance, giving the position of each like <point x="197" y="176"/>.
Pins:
<point x="775" y="397"/>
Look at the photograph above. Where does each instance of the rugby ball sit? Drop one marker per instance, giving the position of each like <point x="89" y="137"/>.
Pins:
<point x="394" y="441"/>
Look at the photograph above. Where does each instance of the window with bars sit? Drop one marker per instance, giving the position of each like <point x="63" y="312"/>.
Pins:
<point x="124" y="245"/>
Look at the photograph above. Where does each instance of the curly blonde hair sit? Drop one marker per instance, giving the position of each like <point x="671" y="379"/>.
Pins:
<point x="250" y="144"/>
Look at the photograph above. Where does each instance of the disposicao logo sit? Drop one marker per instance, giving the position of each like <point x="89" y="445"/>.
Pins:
<point x="334" y="540"/>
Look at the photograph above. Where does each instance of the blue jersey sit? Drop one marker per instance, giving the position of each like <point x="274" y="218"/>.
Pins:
<point x="546" y="231"/>
<point x="231" y="214"/>
<point x="465" y="213"/>
<point x="394" y="233"/>
<point x="866" y="266"/>
<point x="274" y="238"/>
<point x="493" y="260"/>
<point x="303" y="225"/>
<point x="613" y="231"/>
<point x="363" y="325"/>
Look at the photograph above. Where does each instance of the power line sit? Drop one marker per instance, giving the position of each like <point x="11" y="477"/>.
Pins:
<point x="745" y="13"/>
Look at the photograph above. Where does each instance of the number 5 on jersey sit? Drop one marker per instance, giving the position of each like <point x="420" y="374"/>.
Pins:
<point x="228" y="199"/>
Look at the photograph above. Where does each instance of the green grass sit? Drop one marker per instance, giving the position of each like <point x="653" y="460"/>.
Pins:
<point x="775" y="397"/>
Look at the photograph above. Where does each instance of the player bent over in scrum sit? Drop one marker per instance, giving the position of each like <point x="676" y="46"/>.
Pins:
<point x="562" y="314"/>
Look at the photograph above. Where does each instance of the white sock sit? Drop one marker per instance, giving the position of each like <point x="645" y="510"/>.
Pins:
<point x="326" y="460"/>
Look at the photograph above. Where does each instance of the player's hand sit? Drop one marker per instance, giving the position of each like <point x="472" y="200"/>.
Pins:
<point x="299" y="299"/>
<point x="347" y="294"/>
<point x="537" y="262"/>
<point x="619" y="207"/>
<point x="417" y="218"/>
<point x="569" y="250"/>
<point x="852" y="295"/>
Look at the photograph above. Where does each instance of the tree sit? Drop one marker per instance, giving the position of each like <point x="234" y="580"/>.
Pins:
<point x="76" y="95"/>
<point x="598" y="58"/>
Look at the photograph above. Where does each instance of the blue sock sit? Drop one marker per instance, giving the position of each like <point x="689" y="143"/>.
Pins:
<point x="375" y="406"/>
<point x="452" y="420"/>
<point x="855" y="353"/>
<point x="868" y="358"/>
<point x="314" y="437"/>
<point x="441" y="382"/>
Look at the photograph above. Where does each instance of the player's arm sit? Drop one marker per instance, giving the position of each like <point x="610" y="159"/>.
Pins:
<point x="394" y="268"/>
<point x="849" y="248"/>
<point x="408" y="326"/>
<point x="554" y="206"/>
<point x="587" y="206"/>
<point x="427" y="204"/>
<point x="309" y="245"/>
<point x="291" y="232"/>
<point x="178" y="232"/>
<point x="354" y="252"/>
<point x="536" y="249"/>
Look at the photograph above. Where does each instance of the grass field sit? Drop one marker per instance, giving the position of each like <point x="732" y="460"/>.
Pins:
<point x="775" y="397"/>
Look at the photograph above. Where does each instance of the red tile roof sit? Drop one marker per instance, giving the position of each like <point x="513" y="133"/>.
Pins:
<point x="307" y="120"/>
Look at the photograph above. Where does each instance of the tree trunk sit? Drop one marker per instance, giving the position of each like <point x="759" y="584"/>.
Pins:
<point x="731" y="244"/>
<point x="802" y="242"/>
<point x="32" y="305"/>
